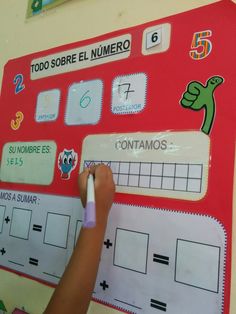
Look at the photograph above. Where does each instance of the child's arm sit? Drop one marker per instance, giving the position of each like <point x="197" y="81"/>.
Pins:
<point x="74" y="291"/>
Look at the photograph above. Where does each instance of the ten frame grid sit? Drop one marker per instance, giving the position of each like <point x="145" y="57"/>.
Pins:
<point x="183" y="177"/>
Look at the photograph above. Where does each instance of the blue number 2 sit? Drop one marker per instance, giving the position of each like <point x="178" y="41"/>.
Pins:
<point x="18" y="81"/>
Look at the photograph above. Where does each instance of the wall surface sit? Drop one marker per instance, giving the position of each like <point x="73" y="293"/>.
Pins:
<point x="74" y="21"/>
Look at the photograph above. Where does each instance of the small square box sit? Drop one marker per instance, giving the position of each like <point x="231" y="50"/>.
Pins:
<point x="134" y="168"/>
<point x="123" y="179"/>
<point x="153" y="38"/>
<point x="56" y="230"/>
<point x="145" y="168"/>
<point x="156" y="182"/>
<point x="181" y="171"/>
<point x="131" y="250"/>
<point x="133" y="180"/>
<point x="156" y="39"/>
<point x="167" y="183"/>
<point x="47" y="105"/>
<point x="144" y="181"/>
<point x="194" y="185"/>
<point x="115" y="167"/>
<point x="20" y="223"/>
<point x="84" y="103"/>
<point x="197" y="265"/>
<point x="124" y="167"/>
<point x="169" y="170"/>
<point x="129" y="93"/>
<point x="157" y="169"/>
<point x="180" y="184"/>
<point x="195" y="171"/>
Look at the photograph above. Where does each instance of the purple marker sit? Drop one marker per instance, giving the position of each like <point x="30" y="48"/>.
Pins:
<point x="90" y="209"/>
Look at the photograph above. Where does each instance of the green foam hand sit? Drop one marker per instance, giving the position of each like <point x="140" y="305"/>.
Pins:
<point x="199" y="96"/>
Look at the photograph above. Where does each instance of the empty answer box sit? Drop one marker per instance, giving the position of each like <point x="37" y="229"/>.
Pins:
<point x="20" y="223"/>
<point x="197" y="265"/>
<point x="56" y="231"/>
<point x="131" y="250"/>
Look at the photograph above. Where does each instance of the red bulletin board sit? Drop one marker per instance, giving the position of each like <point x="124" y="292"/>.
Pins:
<point x="155" y="96"/>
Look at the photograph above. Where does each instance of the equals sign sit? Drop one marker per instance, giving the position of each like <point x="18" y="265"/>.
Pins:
<point x="161" y="259"/>
<point x="158" y="305"/>
<point x="37" y="228"/>
<point x="33" y="261"/>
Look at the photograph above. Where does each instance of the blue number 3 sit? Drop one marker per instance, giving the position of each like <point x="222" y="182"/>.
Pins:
<point x="18" y="81"/>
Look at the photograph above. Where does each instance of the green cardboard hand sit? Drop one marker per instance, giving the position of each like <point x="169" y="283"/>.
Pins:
<point x="199" y="96"/>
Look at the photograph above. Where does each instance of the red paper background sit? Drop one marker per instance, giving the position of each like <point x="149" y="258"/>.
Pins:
<point x="168" y="76"/>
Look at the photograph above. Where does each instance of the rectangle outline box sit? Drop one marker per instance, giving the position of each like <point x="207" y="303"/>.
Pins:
<point x="154" y="175"/>
<point x="29" y="223"/>
<point x="187" y="284"/>
<point x="146" y="251"/>
<point x="52" y="145"/>
<point x="4" y="211"/>
<point x="67" y="230"/>
<point x="75" y="239"/>
<point x="57" y="106"/>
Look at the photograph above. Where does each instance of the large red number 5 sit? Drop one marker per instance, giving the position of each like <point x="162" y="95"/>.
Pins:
<point x="201" y="47"/>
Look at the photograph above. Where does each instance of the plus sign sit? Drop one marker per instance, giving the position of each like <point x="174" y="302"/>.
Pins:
<point x="7" y="219"/>
<point x="108" y="243"/>
<point x="3" y="251"/>
<point x="104" y="285"/>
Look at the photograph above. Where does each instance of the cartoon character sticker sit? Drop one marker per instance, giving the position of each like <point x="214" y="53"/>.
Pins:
<point x="197" y="97"/>
<point x="67" y="161"/>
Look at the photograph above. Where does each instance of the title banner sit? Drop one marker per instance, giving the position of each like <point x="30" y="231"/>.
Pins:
<point x="80" y="58"/>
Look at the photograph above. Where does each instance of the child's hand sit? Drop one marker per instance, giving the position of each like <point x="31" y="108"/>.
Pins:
<point x="75" y="288"/>
<point x="104" y="188"/>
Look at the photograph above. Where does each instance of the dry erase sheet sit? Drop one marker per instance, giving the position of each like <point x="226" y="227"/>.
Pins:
<point x="155" y="103"/>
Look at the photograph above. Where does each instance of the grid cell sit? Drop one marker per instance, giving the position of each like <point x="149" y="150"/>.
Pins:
<point x="181" y="171"/>
<point x="157" y="169"/>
